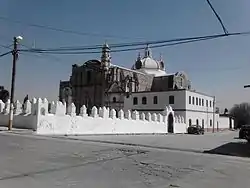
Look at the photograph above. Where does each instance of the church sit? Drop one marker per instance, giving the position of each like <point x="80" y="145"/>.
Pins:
<point x="145" y="87"/>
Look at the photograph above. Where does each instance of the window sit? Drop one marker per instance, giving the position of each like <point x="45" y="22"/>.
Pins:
<point x="210" y="103"/>
<point x="171" y="99"/>
<point x="190" y="99"/>
<point x="196" y="101"/>
<point x="144" y="100"/>
<point x="203" y="123"/>
<point x="202" y="102"/>
<point x="155" y="100"/>
<point x="211" y="122"/>
<point x="197" y="122"/>
<point x="190" y="122"/>
<point x="114" y="99"/>
<point x="199" y="101"/>
<point x="207" y="103"/>
<point x="135" y="100"/>
<point x="193" y="101"/>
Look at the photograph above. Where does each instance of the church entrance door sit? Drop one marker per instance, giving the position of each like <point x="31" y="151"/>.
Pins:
<point x="170" y="123"/>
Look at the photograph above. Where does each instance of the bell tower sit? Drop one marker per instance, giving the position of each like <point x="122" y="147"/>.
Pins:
<point x="106" y="57"/>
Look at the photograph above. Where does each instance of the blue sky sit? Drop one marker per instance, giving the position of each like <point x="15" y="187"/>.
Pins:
<point x="219" y="67"/>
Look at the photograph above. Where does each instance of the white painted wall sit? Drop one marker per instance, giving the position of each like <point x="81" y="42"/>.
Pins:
<point x="202" y="109"/>
<point x="199" y="97"/>
<point x="163" y="100"/>
<point x="35" y="116"/>
<point x="23" y="118"/>
<point x="224" y="123"/>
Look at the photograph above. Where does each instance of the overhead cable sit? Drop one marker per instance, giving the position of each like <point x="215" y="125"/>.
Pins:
<point x="218" y="17"/>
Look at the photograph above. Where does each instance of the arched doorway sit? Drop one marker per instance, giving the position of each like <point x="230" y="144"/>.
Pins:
<point x="170" y="123"/>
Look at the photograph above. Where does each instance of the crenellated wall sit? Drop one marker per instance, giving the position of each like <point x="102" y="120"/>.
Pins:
<point x="61" y="120"/>
<point x="25" y="118"/>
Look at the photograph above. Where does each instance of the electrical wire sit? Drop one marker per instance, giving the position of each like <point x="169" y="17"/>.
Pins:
<point x="218" y="17"/>
<point x="158" y="44"/>
<point x="60" y="29"/>
<point x="4" y="54"/>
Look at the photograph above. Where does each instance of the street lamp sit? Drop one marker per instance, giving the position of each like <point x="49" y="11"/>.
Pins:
<point x="16" y="40"/>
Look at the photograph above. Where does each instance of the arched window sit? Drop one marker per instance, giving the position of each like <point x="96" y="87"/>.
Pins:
<point x="155" y="100"/>
<point x="197" y="122"/>
<point x="144" y="100"/>
<point x="193" y="100"/>
<point x="135" y="100"/>
<point x="190" y="122"/>
<point x="190" y="100"/>
<point x="114" y="99"/>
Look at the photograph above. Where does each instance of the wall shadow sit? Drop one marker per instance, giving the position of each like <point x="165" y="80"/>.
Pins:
<point x="239" y="149"/>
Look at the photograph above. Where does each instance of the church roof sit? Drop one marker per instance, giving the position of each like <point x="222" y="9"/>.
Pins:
<point x="149" y="65"/>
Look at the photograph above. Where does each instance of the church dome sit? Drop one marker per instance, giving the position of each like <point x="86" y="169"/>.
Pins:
<point x="148" y="65"/>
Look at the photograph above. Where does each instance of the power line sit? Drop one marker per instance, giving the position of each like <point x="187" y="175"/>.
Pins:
<point x="61" y="30"/>
<point x="158" y="44"/>
<point x="36" y="55"/>
<point x="4" y="54"/>
<point x="218" y="17"/>
<point x="4" y="46"/>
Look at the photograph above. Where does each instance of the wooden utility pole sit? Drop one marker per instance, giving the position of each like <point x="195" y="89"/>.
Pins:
<point x="13" y="79"/>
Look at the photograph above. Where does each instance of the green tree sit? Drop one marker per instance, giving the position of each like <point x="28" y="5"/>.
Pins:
<point x="241" y="113"/>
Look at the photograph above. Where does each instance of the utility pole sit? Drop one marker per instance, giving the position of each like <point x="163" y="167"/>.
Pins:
<point x="13" y="79"/>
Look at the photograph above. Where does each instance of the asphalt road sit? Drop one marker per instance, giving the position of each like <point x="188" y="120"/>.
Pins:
<point x="33" y="161"/>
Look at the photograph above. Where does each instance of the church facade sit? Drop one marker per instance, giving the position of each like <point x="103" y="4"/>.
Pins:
<point x="102" y="83"/>
<point x="145" y="87"/>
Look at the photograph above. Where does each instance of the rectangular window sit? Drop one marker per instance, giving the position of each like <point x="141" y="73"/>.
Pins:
<point x="135" y="100"/>
<point x="155" y="100"/>
<point x="190" y="99"/>
<point x="202" y="102"/>
<point x="207" y="103"/>
<point x="210" y="103"/>
<point x="171" y="99"/>
<point x="144" y="100"/>
<point x="197" y="101"/>
<point x="193" y="101"/>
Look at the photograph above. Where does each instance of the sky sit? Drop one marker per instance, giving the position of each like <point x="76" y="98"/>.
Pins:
<point x="217" y="67"/>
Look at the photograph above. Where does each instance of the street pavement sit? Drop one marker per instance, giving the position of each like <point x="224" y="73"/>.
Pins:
<point x="182" y="142"/>
<point x="28" y="160"/>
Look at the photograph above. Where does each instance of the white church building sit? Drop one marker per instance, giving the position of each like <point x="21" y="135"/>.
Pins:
<point x="103" y="98"/>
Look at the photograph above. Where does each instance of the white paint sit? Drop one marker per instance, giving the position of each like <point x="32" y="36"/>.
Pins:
<point x="197" y="112"/>
<point x="35" y="116"/>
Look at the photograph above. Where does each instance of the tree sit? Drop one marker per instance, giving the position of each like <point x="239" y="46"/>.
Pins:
<point x="226" y="111"/>
<point x="4" y="95"/>
<point x="241" y="113"/>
